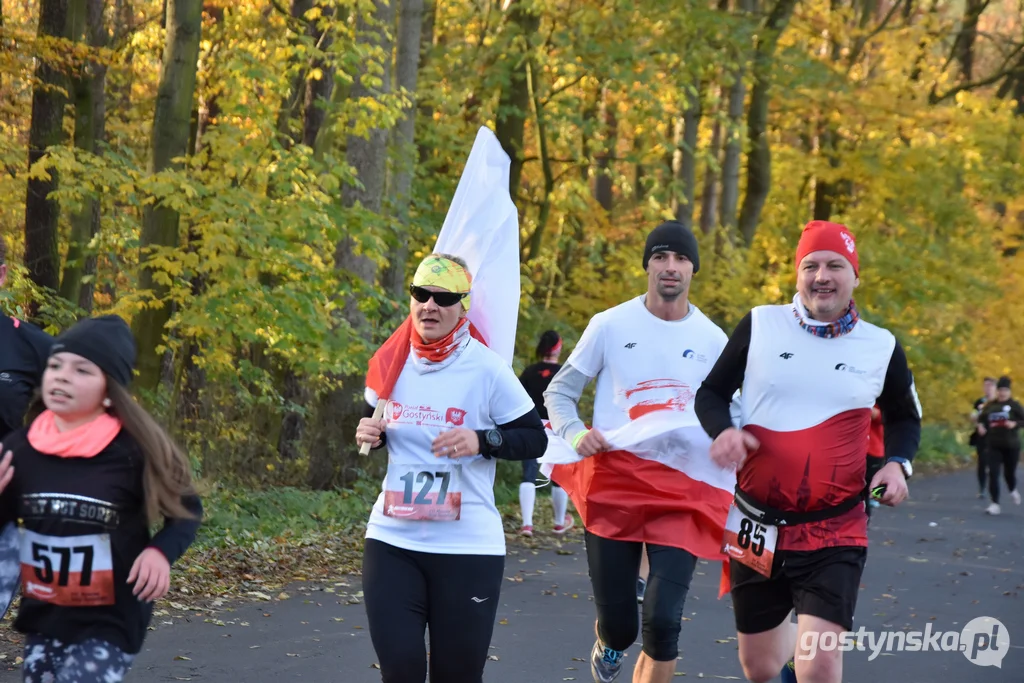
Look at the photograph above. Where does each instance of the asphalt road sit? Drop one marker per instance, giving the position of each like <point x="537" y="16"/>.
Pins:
<point x="936" y="561"/>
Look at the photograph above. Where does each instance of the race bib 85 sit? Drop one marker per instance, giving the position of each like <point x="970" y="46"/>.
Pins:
<point x="749" y="542"/>
<point x="71" y="571"/>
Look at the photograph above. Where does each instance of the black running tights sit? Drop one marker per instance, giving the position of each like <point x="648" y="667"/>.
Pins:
<point x="455" y="595"/>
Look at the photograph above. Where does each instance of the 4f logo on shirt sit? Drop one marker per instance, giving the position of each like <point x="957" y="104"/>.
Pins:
<point x="630" y="345"/>
<point x="785" y="355"/>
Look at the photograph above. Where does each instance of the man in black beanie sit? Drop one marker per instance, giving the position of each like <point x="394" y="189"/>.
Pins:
<point x="649" y="355"/>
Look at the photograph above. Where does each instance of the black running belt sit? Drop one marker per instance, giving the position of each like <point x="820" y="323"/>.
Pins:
<point x="775" y="517"/>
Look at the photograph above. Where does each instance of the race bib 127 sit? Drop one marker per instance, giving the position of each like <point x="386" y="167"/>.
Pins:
<point x="424" y="493"/>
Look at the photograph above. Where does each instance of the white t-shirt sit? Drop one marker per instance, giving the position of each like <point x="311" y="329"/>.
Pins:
<point x="643" y="363"/>
<point x="477" y="391"/>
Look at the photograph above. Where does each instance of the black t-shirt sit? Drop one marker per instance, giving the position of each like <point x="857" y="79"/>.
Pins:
<point x="995" y="416"/>
<point x="83" y="523"/>
<point x="24" y="349"/>
<point x="536" y="379"/>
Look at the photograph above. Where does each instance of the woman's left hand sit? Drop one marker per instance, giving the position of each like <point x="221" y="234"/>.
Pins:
<point x="456" y="443"/>
<point x="151" y="575"/>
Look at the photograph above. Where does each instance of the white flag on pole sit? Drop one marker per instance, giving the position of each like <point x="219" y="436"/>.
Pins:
<point x="482" y="227"/>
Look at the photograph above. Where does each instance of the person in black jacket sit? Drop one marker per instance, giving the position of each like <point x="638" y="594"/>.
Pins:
<point x="999" y="424"/>
<point x="23" y="352"/>
<point x="977" y="440"/>
<point x="87" y="480"/>
<point x="535" y="379"/>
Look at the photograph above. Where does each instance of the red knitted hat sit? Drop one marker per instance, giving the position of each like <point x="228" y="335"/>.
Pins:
<point x="825" y="236"/>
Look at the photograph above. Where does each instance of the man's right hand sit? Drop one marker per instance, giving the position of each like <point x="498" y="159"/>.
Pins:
<point x="730" y="449"/>
<point x="592" y="443"/>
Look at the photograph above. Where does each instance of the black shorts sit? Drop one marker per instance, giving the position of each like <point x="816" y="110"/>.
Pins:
<point x="822" y="583"/>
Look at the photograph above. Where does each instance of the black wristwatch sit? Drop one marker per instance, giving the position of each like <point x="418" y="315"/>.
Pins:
<point x="490" y="441"/>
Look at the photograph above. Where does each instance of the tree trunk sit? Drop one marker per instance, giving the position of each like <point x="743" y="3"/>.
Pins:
<point x="709" y="196"/>
<point x="759" y="162"/>
<point x="77" y="281"/>
<point x="545" y="163"/>
<point x="967" y="37"/>
<point x="575" y="244"/>
<point x="340" y="410"/>
<point x="171" y="128"/>
<point x="426" y="109"/>
<point x="290" y="107"/>
<point x="514" y="101"/>
<point x="318" y="90"/>
<point x="403" y="147"/>
<point x="192" y="380"/>
<point x="48" y="100"/>
<point x="734" y="139"/>
<point x="603" y="182"/>
<point x="684" y="160"/>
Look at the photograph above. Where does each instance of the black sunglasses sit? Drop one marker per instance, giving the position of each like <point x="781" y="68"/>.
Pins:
<point x="442" y="299"/>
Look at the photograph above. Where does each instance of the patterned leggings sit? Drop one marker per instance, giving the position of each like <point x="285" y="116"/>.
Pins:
<point x="92" y="661"/>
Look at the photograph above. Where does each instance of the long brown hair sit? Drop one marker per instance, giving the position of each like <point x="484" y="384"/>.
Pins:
<point x="167" y="475"/>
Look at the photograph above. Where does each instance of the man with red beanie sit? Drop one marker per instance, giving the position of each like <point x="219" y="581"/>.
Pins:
<point x="810" y="373"/>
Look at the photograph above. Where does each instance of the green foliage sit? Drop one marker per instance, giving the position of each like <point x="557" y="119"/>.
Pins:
<point x="943" y="448"/>
<point x="241" y="516"/>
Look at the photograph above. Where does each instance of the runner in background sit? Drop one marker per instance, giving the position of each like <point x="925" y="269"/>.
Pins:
<point x="876" y="453"/>
<point x="24" y="349"/>
<point x="87" y="481"/>
<point x="535" y="379"/>
<point x="999" y="423"/>
<point x="977" y="440"/>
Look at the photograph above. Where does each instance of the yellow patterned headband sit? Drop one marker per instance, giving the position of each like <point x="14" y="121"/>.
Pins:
<point x="438" y="271"/>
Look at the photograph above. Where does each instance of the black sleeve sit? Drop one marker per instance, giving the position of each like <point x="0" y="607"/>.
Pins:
<point x="40" y="342"/>
<point x="523" y="438"/>
<point x="983" y="416"/>
<point x="716" y="392"/>
<point x="178" y="534"/>
<point x="368" y="412"/>
<point x="901" y="411"/>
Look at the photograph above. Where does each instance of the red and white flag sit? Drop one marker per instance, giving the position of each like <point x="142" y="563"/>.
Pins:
<point x="659" y="485"/>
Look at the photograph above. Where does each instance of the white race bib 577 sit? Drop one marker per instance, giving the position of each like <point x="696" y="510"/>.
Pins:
<point x="71" y="571"/>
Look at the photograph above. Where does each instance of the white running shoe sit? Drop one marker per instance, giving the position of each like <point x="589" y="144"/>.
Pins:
<point x="1015" y="494"/>
<point x="992" y="509"/>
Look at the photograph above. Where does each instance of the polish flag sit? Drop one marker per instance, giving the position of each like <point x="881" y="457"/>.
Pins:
<point x="481" y="227"/>
<point x="659" y="485"/>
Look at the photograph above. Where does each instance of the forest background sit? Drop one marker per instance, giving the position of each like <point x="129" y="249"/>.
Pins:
<point x="250" y="183"/>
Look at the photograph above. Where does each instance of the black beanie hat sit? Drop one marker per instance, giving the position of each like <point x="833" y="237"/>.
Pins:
<point x="107" y="341"/>
<point x="1003" y="383"/>
<point x="672" y="236"/>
